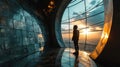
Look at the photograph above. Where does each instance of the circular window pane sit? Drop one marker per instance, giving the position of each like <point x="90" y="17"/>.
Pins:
<point x="88" y="15"/>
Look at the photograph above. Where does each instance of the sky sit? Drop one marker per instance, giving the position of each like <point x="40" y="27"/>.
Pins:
<point x="77" y="12"/>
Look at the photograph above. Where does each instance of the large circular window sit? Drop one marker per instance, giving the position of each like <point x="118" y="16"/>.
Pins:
<point x="89" y="16"/>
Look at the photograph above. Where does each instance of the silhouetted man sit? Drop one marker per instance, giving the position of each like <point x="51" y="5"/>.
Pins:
<point x="75" y="38"/>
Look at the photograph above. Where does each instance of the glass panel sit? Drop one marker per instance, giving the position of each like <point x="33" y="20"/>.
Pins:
<point x="96" y="10"/>
<point x="73" y="2"/>
<point x="65" y="15"/>
<point x="77" y="10"/>
<point x="96" y="18"/>
<point x="90" y="4"/>
<point x="65" y="35"/>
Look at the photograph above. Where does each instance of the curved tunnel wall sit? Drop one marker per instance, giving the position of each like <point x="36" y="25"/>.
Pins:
<point x="107" y="51"/>
<point x="58" y="22"/>
<point x="19" y="31"/>
<point x="47" y="25"/>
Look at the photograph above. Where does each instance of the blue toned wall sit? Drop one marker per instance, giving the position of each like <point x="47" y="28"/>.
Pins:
<point x="20" y="34"/>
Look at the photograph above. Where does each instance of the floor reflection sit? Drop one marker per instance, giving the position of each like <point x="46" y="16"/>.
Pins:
<point x="76" y="59"/>
<point x="53" y="58"/>
<point x="80" y="59"/>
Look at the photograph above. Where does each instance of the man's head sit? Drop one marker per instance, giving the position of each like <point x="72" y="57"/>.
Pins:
<point x="75" y="27"/>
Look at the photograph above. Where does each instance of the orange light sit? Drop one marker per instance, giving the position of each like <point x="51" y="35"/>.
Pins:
<point x="104" y="35"/>
<point x="40" y="35"/>
<point x="41" y="49"/>
<point x="51" y="2"/>
<point x="51" y="6"/>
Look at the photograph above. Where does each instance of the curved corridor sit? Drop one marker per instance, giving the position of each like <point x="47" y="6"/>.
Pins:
<point x="33" y="33"/>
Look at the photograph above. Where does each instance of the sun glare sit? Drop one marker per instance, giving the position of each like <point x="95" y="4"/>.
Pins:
<point x="86" y="31"/>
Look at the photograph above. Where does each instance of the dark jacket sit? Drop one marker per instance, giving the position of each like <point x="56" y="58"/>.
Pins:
<point x="75" y="35"/>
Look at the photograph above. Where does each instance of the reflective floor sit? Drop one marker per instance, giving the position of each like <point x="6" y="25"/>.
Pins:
<point x="53" y="58"/>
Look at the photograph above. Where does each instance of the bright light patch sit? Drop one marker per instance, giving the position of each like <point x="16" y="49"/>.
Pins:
<point x="40" y="35"/>
<point x="86" y="31"/>
<point x="98" y="28"/>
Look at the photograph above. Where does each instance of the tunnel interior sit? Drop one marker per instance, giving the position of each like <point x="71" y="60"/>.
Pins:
<point x="30" y="26"/>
